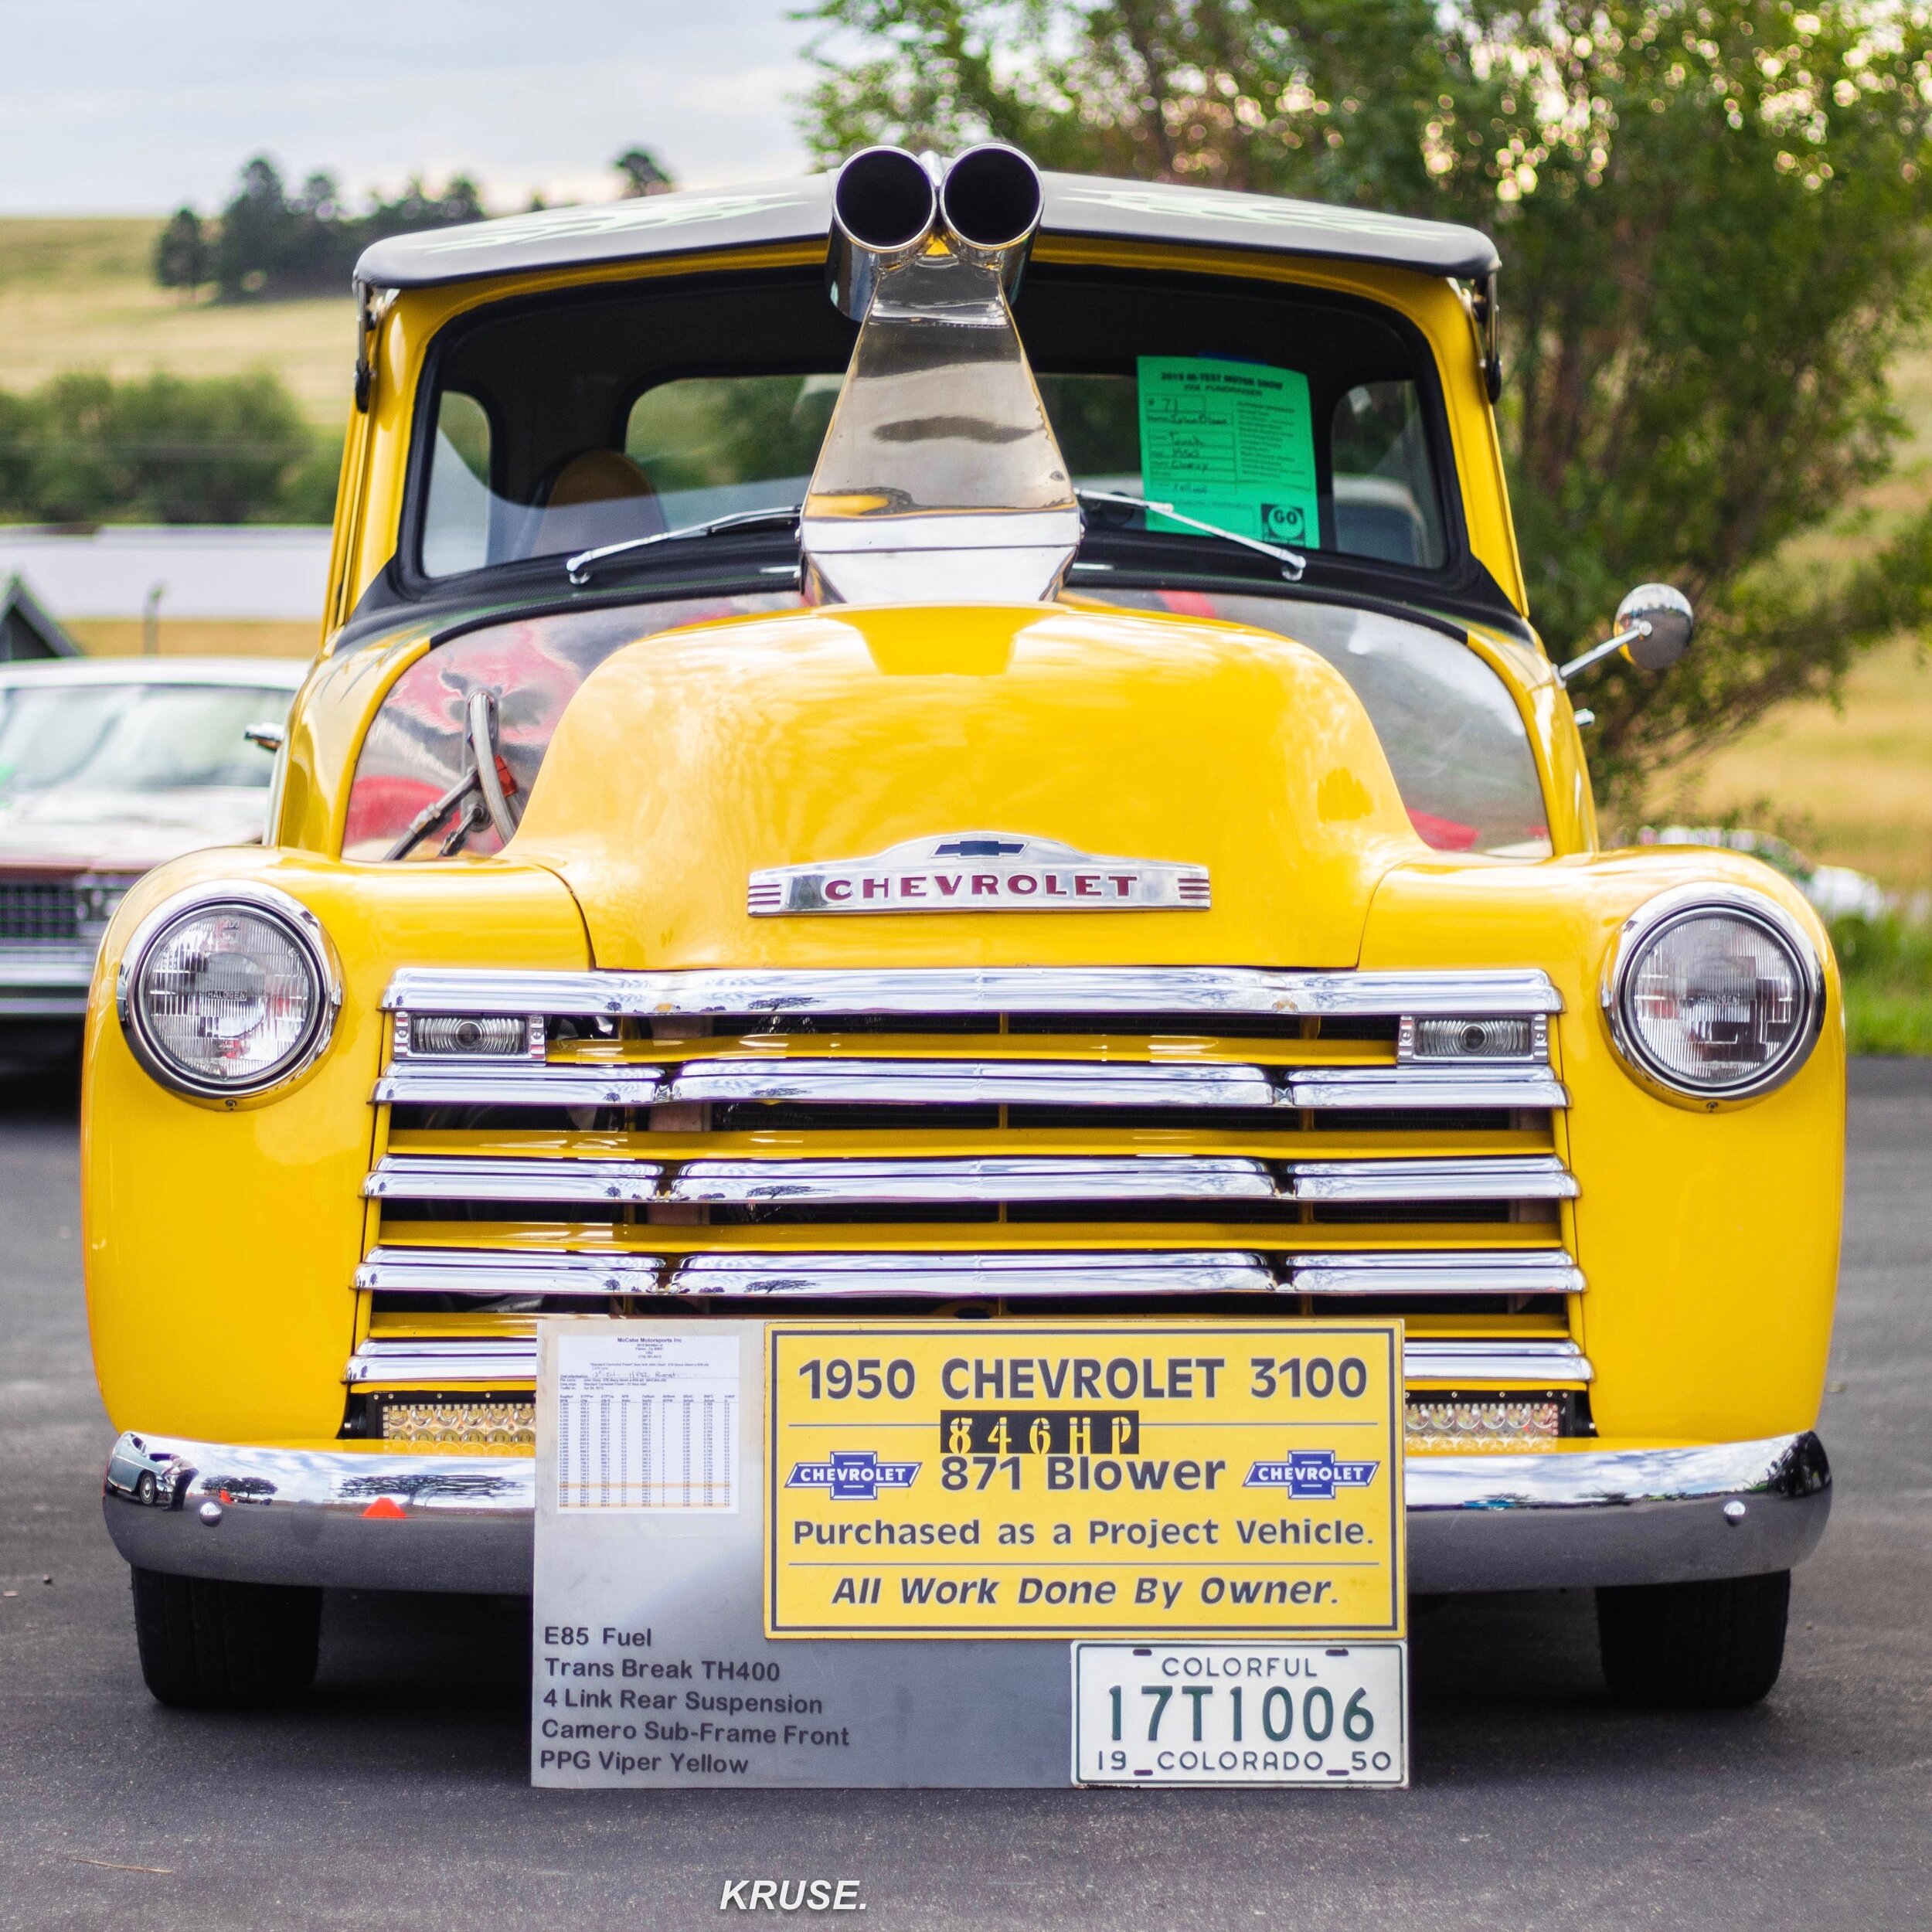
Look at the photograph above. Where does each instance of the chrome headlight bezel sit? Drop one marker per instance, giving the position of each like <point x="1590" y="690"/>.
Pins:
<point x="1648" y="924"/>
<point x="259" y="901"/>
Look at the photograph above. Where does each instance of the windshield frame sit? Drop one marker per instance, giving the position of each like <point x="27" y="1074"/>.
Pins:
<point x="1461" y="586"/>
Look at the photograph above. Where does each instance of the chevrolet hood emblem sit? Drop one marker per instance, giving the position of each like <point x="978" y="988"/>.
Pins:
<point x="980" y="872"/>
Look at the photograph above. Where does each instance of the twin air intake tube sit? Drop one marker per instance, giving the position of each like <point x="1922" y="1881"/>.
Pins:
<point x="888" y="205"/>
<point x="940" y="480"/>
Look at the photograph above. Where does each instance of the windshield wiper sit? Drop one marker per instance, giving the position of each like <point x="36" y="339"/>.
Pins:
<point x="578" y="568"/>
<point x="1292" y="562"/>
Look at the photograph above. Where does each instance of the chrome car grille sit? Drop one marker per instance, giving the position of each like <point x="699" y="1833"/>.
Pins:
<point x="40" y="911"/>
<point x="1086" y="1139"/>
<point x="51" y="926"/>
<point x="60" y="911"/>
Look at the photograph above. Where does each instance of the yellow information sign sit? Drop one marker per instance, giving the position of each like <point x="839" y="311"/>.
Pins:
<point x="1060" y="1479"/>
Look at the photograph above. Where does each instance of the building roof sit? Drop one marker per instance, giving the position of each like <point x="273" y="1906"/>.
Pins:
<point x="260" y="674"/>
<point x="258" y="572"/>
<point x="23" y="619"/>
<point x="700" y="221"/>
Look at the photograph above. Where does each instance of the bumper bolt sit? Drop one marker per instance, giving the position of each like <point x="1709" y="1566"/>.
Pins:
<point x="211" y="1514"/>
<point x="1733" y="1513"/>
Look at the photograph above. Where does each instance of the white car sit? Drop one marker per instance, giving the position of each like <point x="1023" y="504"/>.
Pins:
<point x="1835" y="890"/>
<point x="108" y="766"/>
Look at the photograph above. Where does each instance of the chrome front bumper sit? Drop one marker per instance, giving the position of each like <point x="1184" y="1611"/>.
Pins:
<point x="45" y="981"/>
<point x="365" y="1519"/>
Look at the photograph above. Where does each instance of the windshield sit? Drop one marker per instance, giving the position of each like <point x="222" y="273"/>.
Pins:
<point x="1446" y="722"/>
<point x="135" y="737"/>
<point x="1274" y="412"/>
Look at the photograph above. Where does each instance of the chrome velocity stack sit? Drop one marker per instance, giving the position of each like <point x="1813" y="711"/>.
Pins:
<point x="941" y="480"/>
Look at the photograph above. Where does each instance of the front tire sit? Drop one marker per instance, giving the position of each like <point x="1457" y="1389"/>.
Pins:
<point x="1708" y="1646"/>
<point x="210" y="1645"/>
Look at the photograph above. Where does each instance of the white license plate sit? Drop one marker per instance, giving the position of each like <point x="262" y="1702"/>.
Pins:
<point x="1241" y="1714"/>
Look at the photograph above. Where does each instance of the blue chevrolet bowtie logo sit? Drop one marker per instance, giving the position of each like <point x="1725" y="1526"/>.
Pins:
<point x="852" y="1475"/>
<point x="1313" y="1475"/>
<point x="977" y="848"/>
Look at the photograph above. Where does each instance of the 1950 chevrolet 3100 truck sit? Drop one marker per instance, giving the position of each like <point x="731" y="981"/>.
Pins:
<point x="979" y="796"/>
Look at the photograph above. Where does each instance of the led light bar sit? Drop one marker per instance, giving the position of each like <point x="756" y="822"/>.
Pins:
<point x="459" y="1424"/>
<point x="1430" y="1423"/>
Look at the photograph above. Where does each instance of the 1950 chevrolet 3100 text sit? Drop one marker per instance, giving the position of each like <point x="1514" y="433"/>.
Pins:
<point x="980" y="796"/>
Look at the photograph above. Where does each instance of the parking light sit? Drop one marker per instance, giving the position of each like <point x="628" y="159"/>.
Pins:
<point x="1472" y="1040"/>
<point x="494" y="1034"/>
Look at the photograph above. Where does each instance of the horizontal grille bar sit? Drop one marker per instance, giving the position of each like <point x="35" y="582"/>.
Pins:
<point x="485" y="1275"/>
<point x="912" y="1082"/>
<point x="952" y="1277"/>
<point x="381" y="1363"/>
<point x="1535" y="1177"/>
<point x="474" y="1274"/>
<point x="454" y="1083"/>
<point x="1205" y="1177"/>
<point x="1481" y="1364"/>
<point x="957" y="1083"/>
<point x="1510" y="1272"/>
<point x="1097" y="989"/>
<point x="1413" y="1086"/>
<point x="403" y="1177"/>
<point x="497" y="1359"/>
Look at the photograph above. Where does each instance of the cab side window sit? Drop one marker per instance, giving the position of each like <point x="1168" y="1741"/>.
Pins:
<point x="456" y="508"/>
<point x="1385" y="494"/>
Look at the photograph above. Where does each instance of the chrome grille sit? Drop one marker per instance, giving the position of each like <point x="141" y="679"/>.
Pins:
<point x="1078" y="1137"/>
<point x="63" y="911"/>
<point x="46" y="912"/>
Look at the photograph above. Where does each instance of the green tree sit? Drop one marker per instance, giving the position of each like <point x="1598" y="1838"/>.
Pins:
<point x="181" y="252"/>
<point x="1713" y="217"/>
<point x="642" y="174"/>
<point x="73" y="476"/>
<point x="419" y="207"/>
<point x="83" y="448"/>
<point x="217" y="451"/>
<point x="271" y="242"/>
<point x="19" y="455"/>
<point x="258" y="230"/>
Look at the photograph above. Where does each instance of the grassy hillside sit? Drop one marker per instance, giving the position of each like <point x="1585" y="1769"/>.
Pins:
<point x="1852" y="785"/>
<point x="79" y="294"/>
<point x="1855" y="784"/>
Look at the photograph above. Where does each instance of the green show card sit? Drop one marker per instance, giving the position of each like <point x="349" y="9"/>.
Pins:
<point x="1231" y="443"/>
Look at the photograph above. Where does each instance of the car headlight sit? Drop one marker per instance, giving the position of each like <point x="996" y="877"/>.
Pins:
<point x="1714" y="993"/>
<point x="228" y="991"/>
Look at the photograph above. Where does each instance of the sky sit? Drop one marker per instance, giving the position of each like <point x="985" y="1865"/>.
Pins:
<point x="137" y="106"/>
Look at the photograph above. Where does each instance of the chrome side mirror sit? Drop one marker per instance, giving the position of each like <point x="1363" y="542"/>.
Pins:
<point x="1654" y="628"/>
<point x="1658" y="622"/>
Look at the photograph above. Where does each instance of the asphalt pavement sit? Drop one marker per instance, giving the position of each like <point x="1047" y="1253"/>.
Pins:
<point x="398" y="1796"/>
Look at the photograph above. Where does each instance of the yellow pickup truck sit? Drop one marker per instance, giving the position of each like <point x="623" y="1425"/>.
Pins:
<point x="943" y="742"/>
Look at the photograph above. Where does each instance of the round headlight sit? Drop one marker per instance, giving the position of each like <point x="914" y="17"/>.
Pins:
<point x="228" y="992"/>
<point x="1715" y="993"/>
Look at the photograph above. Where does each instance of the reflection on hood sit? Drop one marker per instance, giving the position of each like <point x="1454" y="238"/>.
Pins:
<point x="125" y="830"/>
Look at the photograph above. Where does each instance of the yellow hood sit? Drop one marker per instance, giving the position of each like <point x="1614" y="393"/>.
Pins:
<point x="688" y="761"/>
